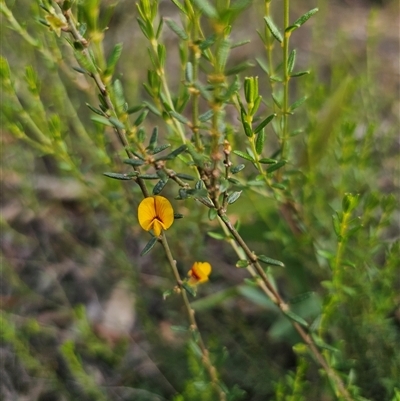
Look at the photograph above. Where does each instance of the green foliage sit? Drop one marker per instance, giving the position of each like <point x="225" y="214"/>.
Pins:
<point x="285" y="185"/>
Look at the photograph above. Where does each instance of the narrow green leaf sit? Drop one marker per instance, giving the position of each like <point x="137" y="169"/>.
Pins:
<point x="276" y="101"/>
<point x="233" y="197"/>
<point x="266" y="160"/>
<point x="178" y="216"/>
<point x="301" y="297"/>
<point x="278" y="185"/>
<point x="263" y="66"/>
<point x="189" y="289"/>
<point x="251" y="282"/>
<point x="153" y="139"/>
<point x="118" y="94"/>
<point x="270" y="261"/>
<point x="159" y="186"/>
<point x="336" y="224"/>
<point x="264" y="123"/>
<point x="185" y="177"/>
<point x="189" y="72"/>
<point x="197" y="192"/>
<point x="141" y="118"/>
<point x="103" y="104"/>
<point x="152" y="108"/>
<point x="146" y="30"/>
<point x="176" y="28"/>
<point x="234" y="181"/>
<point x="299" y="74"/>
<point x="197" y="157"/>
<point x="80" y="70"/>
<point x="113" y="59"/>
<point x="118" y="176"/>
<point x="291" y="61"/>
<point x="149" y="246"/>
<point x="203" y="90"/>
<point x="116" y="123"/>
<point x="222" y="55"/>
<point x="138" y="155"/>
<point x="85" y="62"/>
<point x="97" y="111"/>
<point x="206" y="116"/>
<point x="237" y="169"/>
<point x="174" y="153"/>
<point x="208" y="42"/>
<point x="297" y="103"/>
<point x="245" y="65"/>
<point x="181" y="102"/>
<point x="243" y="155"/>
<point x="159" y="28"/>
<point x="260" y="142"/>
<point x="216" y="235"/>
<point x="205" y="201"/>
<point x="224" y="185"/>
<point x="305" y="17"/>
<point x="241" y="43"/>
<point x="162" y="174"/>
<point x="179" y="117"/>
<point x="141" y="135"/>
<point x="182" y="329"/>
<point x="101" y="120"/>
<point x="274" y="78"/>
<point x="135" y="109"/>
<point x="160" y="148"/>
<point x="321" y="344"/>
<point x="247" y="129"/>
<point x="232" y="89"/>
<point x="206" y="8"/>
<point x="148" y="176"/>
<point x="325" y="254"/>
<point x="298" y="319"/>
<point x="276" y="166"/>
<point x="180" y="6"/>
<point x="134" y="162"/>
<point x="273" y="29"/>
<point x="162" y="54"/>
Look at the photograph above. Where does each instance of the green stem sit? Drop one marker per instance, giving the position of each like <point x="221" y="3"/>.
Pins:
<point x="269" y="45"/>
<point x="286" y="78"/>
<point x="193" y="324"/>
<point x="284" y="307"/>
<point x="259" y="166"/>
<point x="195" y="55"/>
<point x="161" y="73"/>
<point x="103" y="90"/>
<point x="337" y="276"/>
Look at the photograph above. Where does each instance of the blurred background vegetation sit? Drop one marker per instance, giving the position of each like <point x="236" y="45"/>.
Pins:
<point x="83" y="315"/>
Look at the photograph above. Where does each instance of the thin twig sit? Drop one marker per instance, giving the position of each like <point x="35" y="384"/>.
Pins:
<point x="193" y="324"/>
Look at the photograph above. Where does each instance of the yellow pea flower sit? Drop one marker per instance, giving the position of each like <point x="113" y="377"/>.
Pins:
<point x="199" y="273"/>
<point x="155" y="213"/>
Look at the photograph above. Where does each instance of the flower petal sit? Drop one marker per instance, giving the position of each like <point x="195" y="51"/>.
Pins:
<point x="199" y="272"/>
<point x="164" y="211"/>
<point x="146" y="213"/>
<point x="155" y="213"/>
<point x="157" y="226"/>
